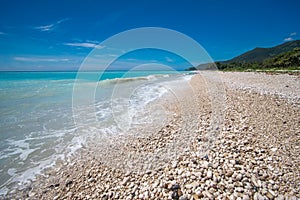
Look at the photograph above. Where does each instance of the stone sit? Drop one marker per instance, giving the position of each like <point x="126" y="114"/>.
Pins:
<point x="175" y="186"/>
<point x="56" y="197"/>
<point x="239" y="177"/>
<point x="246" y="197"/>
<point x="239" y="189"/>
<point x="255" y="181"/>
<point x="207" y="194"/>
<point x="274" y="149"/>
<point x="279" y="197"/>
<point x="209" y="174"/>
<point x="69" y="194"/>
<point x="69" y="183"/>
<point x="271" y="194"/>
<point x="183" y="197"/>
<point x="91" y="180"/>
<point x="175" y="195"/>
<point x="258" y="196"/>
<point x="141" y="196"/>
<point x="174" y="164"/>
<point x="292" y="198"/>
<point x="125" y="180"/>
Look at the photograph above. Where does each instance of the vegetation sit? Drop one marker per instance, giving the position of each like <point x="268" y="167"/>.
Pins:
<point x="291" y="59"/>
<point x="285" y="61"/>
<point x="284" y="57"/>
<point x="258" y="55"/>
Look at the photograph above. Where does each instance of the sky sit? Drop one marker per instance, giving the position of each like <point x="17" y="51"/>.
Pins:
<point x="59" y="34"/>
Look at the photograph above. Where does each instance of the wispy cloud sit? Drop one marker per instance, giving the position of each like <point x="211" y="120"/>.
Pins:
<point x="41" y="59"/>
<point x="51" y="27"/>
<point x="288" y="39"/>
<point x="291" y="37"/>
<point x="85" y="45"/>
<point x="2" y="33"/>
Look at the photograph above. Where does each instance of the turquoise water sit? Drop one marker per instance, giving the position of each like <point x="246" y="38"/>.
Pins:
<point x="37" y="115"/>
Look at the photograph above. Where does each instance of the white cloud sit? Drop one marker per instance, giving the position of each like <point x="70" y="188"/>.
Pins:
<point x="41" y="59"/>
<point x="84" y="44"/>
<point x="291" y="37"/>
<point x="288" y="39"/>
<point x="51" y="27"/>
<point x="2" y="33"/>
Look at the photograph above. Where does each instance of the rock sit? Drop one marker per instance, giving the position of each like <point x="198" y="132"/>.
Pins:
<point x="174" y="165"/>
<point x="125" y="180"/>
<point x="232" y="162"/>
<point x="31" y="194"/>
<point x="246" y="197"/>
<point x="192" y="185"/>
<point x="239" y="177"/>
<point x="258" y="196"/>
<point x="209" y="174"/>
<point x="175" y="195"/>
<point x="229" y="173"/>
<point x="264" y="191"/>
<point x="280" y="197"/>
<point x="271" y="182"/>
<point x="90" y="180"/>
<point x="183" y="197"/>
<point x="56" y="197"/>
<point x="175" y="186"/>
<point x="271" y="194"/>
<point x="292" y="198"/>
<point x="141" y="196"/>
<point x="274" y="149"/>
<point x="69" y="183"/>
<point x="69" y="194"/>
<point x="207" y="194"/>
<point x="146" y="195"/>
<point x="255" y="181"/>
<point x="239" y="189"/>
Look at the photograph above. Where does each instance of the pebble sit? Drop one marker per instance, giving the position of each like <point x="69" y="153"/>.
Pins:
<point x="255" y="181"/>
<point x="209" y="174"/>
<point x="92" y="180"/>
<point x="183" y="197"/>
<point x="246" y="197"/>
<point x="239" y="177"/>
<point x="280" y="197"/>
<point x="56" y="197"/>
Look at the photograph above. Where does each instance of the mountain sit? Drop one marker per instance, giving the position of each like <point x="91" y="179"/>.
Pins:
<point x="283" y="56"/>
<point x="290" y="59"/>
<point x="260" y="54"/>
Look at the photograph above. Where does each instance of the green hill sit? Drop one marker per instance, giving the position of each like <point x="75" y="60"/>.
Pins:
<point x="285" y="61"/>
<point x="290" y="59"/>
<point x="285" y="56"/>
<point x="260" y="54"/>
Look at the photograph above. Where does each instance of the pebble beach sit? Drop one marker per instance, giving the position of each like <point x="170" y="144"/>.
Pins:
<point x="252" y="154"/>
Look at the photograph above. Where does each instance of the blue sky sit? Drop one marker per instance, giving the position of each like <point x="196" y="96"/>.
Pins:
<point x="58" y="35"/>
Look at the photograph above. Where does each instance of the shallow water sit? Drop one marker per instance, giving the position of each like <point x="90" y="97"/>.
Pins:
<point x="37" y="109"/>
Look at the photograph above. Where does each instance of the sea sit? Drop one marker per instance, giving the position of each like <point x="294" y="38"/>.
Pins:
<point x="41" y="122"/>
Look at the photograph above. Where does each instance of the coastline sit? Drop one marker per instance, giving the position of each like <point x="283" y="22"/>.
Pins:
<point x="255" y="155"/>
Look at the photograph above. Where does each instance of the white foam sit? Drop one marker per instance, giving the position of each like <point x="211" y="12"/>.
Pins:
<point x="12" y="171"/>
<point x="25" y="153"/>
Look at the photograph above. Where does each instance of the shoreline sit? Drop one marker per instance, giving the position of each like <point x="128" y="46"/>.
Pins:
<point x="255" y="156"/>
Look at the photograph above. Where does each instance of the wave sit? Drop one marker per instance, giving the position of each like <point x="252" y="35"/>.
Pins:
<point x="132" y="79"/>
